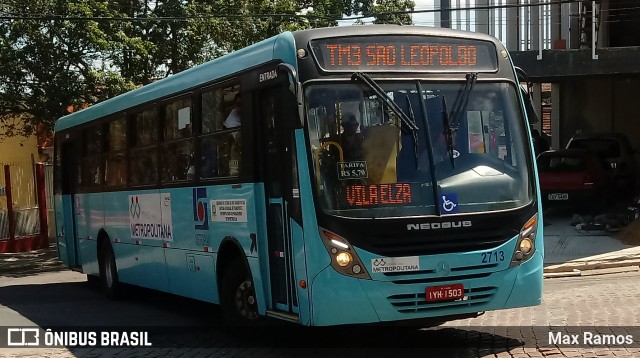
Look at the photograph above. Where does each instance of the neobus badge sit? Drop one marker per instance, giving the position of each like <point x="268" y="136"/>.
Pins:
<point x="440" y="225"/>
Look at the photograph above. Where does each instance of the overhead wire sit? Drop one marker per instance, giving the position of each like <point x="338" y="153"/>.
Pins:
<point x="57" y="17"/>
<point x="310" y="16"/>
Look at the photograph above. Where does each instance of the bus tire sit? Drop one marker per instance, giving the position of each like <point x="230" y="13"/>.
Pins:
<point x="238" y="297"/>
<point x="109" y="272"/>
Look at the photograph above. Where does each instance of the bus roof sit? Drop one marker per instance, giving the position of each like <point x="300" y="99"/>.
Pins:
<point x="278" y="47"/>
<point x="281" y="46"/>
<point x="340" y="31"/>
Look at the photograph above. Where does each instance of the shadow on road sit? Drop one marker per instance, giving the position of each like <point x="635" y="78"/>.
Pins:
<point x="176" y="322"/>
<point x="22" y="264"/>
<point x="81" y="304"/>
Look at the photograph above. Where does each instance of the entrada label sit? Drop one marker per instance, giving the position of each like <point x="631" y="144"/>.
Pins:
<point x="269" y="75"/>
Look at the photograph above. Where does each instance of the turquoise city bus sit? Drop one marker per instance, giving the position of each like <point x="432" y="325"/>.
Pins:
<point x="329" y="176"/>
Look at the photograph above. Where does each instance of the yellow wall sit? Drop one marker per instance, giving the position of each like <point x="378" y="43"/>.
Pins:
<point x="17" y="152"/>
<point x="17" y="149"/>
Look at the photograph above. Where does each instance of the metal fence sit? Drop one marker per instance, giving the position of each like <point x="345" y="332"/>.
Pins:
<point x="24" y="202"/>
<point x="4" y="215"/>
<point x="4" y="224"/>
<point x="48" y="182"/>
<point x="27" y="222"/>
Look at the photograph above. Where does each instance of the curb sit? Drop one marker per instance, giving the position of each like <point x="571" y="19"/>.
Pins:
<point x="576" y="273"/>
<point x="582" y="268"/>
<point x="12" y="271"/>
<point x="588" y="273"/>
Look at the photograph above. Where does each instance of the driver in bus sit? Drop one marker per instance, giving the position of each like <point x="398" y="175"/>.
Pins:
<point x="352" y="139"/>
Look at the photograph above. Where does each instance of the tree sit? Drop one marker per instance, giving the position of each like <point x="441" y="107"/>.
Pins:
<point x="393" y="12"/>
<point x="49" y="66"/>
<point x="57" y="55"/>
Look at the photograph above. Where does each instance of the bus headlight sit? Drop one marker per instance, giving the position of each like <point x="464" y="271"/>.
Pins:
<point x="526" y="242"/>
<point x="525" y="246"/>
<point x="344" y="258"/>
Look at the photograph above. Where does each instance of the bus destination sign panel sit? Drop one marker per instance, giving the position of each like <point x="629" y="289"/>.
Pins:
<point x="404" y="53"/>
<point x="378" y="194"/>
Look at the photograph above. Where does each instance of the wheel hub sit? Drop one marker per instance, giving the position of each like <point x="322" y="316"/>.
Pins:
<point x="108" y="273"/>
<point x="246" y="301"/>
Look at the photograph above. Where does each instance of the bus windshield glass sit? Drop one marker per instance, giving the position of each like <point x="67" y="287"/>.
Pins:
<point x="446" y="148"/>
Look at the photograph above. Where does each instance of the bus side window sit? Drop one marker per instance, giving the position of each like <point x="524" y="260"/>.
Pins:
<point x="177" y="149"/>
<point x="144" y="151"/>
<point x="92" y="166"/>
<point x="212" y="110"/>
<point x="116" y="160"/>
<point x="220" y="147"/>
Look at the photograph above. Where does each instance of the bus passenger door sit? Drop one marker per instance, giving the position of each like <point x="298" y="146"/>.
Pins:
<point x="280" y="175"/>
<point x="66" y="232"/>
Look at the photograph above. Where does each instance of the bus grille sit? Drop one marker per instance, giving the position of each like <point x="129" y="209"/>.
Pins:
<point x="433" y="246"/>
<point x="412" y="303"/>
<point x="432" y="276"/>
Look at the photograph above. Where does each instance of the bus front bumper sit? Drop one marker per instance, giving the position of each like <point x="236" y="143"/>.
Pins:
<point x="338" y="299"/>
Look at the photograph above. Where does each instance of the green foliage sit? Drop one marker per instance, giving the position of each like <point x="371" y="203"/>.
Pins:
<point x="62" y="54"/>
<point x="49" y="66"/>
<point x="393" y="12"/>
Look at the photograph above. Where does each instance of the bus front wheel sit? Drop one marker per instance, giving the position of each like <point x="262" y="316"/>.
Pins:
<point x="238" y="299"/>
<point x="108" y="272"/>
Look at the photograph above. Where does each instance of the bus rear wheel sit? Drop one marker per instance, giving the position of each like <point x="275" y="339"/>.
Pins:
<point x="109" y="272"/>
<point x="238" y="299"/>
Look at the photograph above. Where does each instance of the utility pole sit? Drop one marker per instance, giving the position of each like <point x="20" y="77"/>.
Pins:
<point x="445" y="13"/>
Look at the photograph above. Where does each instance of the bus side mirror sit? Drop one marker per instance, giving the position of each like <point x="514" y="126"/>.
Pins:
<point x="292" y="98"/>
<point x="290" y="110"/>
<point x="528" y="106"/>
<point x="527" y="95"/>
<point x="522" y="76"/>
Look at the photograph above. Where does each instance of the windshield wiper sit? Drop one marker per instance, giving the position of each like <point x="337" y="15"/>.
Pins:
<point x="446" y="124"/>
<point x="408" y="122"/>
<point x="459" y="106"/>
<point x="462" y="99"/>
<point x="415" y="132"/>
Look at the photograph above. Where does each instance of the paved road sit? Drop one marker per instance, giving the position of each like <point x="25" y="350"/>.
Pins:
<point x="607" y="304"/>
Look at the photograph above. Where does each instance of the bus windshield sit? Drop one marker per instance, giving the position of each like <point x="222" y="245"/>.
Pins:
<point x="458" y="149"/>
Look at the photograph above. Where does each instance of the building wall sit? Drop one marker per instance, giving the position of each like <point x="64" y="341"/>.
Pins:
<point x="18" y="152"/>
<point x="623" y="19"/>
<point x="600" y="105"/>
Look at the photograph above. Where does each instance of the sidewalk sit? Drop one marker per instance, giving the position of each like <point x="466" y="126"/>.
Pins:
<point x="23" y="264"/>
<point x="570" y="252"/>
